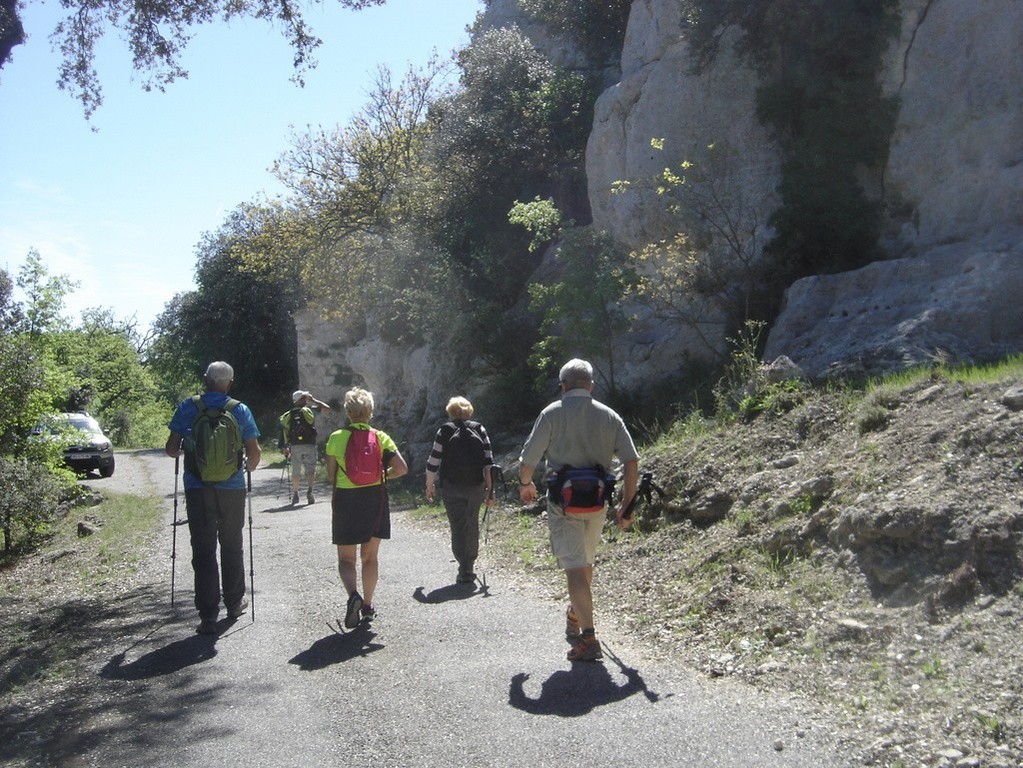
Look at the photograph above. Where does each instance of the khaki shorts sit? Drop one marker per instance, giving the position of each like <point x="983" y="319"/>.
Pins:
<point x="303" y="456"/>
<point x="574" y="537"/>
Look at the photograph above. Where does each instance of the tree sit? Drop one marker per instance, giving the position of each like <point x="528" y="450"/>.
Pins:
<point x="20" y="371"/>
<point x="710" y="274"/>
<point x="241" y="313"/>
<point x="107" y="378"/>
<point x="516" y="129"/>
<point x="596" y="26"/>
<point x="156" y="33"/>
<point x="44" y="295"/>
<point x="356" y="190"/>
<point x="355" y="179"/>
<point x="580" y="305"/>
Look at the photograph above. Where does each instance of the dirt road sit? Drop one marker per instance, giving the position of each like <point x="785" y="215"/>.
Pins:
<point x="446" y="675"/>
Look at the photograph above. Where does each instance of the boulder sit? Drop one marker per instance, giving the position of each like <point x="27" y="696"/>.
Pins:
<point x="957" y="302"/>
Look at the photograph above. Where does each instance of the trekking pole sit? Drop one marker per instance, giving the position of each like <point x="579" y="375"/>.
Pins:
<point x="174" y="528"/>
<point x="252" y="570"/>
<point x="496" y="474"/>
<point x="646" y="486"/>
<point x="284" y="471"/>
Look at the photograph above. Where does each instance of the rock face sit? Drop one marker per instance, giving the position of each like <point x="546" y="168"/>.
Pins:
<point x="955" y="302"/>
<point x="953" y="186"/>
<point x="956" y="158"/>
<point x="332" y="361"/>
<point x="658" y="98"/>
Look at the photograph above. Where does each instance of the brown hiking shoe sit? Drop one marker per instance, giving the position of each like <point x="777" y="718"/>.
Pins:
<point x="586" y="648"/>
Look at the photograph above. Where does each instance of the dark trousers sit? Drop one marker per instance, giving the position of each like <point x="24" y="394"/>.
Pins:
<point x="216" y="516"/>
<point x="462" y="503"/>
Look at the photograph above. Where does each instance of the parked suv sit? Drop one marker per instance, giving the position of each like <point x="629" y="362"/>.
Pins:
<point x="92" y="451"/>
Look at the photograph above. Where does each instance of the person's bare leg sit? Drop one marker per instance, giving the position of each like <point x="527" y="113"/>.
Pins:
<point x="370" y="569"/>
<point x="580" y="594"/>
<point x="346" y="566"/>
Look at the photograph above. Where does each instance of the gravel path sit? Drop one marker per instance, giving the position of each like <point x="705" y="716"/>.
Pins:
<point x="446" y="675"/>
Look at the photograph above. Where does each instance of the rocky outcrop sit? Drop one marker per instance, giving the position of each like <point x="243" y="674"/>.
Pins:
<point x="955" y="302"/>
<point x="955" y="165"/>
<point x="952" y="188"/>
<point x="332" y="360"/>
<point x="658" y="98"/>
<point x="954" y="193"/>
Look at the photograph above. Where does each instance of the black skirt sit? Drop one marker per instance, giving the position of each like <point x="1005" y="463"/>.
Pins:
<point x="360" y="514"/>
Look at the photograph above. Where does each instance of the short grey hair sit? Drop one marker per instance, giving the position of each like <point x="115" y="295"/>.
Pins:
<point x="220" y="373"/>
<point x="576" y="372"/>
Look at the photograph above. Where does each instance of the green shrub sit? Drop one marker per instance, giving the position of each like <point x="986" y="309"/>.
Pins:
<point x="873" y="419"/>
<point x="30" y="497"/>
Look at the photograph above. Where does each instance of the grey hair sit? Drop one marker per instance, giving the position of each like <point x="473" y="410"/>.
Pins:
<point x="576" y="372"/>
<point x="220" y="373"/>
<point x="358" y="404"/>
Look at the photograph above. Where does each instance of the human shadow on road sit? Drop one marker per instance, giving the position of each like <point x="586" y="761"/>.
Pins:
<point x="449" y="592"/>
<point x="286" y="507"/>
<point x="337" y="648"/>
<point x="167" y="660"/>
<point x="578" y="690"/>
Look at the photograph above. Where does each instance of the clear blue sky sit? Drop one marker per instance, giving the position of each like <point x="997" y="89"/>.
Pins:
<point x="121" y="209"/>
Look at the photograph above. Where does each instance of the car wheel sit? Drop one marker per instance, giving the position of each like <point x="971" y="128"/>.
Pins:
<point x="107" y="471"/>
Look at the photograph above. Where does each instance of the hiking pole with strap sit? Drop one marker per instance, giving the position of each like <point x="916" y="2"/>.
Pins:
<point x="252" y="570"/>
<point x="174" y="528"/>
<point x="645" y="490"/>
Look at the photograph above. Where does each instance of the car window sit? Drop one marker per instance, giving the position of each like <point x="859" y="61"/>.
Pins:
<point x="83" y="423"/>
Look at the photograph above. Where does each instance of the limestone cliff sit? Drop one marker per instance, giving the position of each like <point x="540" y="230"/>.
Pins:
<point x="952" y="188"/>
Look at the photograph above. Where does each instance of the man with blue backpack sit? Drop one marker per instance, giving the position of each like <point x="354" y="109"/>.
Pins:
<point x="220" y="442"/>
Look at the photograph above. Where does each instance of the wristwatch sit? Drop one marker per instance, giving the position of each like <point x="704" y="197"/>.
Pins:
<point x="524" y="484"/>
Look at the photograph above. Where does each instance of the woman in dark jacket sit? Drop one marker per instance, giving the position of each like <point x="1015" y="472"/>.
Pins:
<point x="461" y="457"/>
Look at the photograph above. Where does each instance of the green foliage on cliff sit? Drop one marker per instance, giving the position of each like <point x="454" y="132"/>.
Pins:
<point x="596" y="26"/>
<point x="819" y="63"/>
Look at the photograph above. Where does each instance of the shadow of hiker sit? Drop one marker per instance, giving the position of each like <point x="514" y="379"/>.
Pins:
<point x="162" y="661"/>
<point x="578" y="690"/>
<point x="449" y="592"/>
<point x="283" y="508"/>
<point x="336" y="648"/>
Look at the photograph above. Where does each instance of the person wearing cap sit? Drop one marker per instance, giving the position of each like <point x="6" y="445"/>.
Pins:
<point x="299" y="437"/>
<point x="578" y="431"/>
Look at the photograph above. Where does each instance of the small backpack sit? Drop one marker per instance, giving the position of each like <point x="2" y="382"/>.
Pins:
<point x="463" y="458"/>
<point x="364" y="462"/>
<point x="300" y="431"/>
<point x="213" y="451"/>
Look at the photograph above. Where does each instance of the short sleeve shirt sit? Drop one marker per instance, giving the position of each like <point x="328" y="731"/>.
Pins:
<point x="578" y="431"/>
<point x="338" y="441"/>
<point x="181" y="423"/>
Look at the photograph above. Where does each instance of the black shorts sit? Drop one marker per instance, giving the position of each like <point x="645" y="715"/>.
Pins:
<point x="360" y="514"/>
